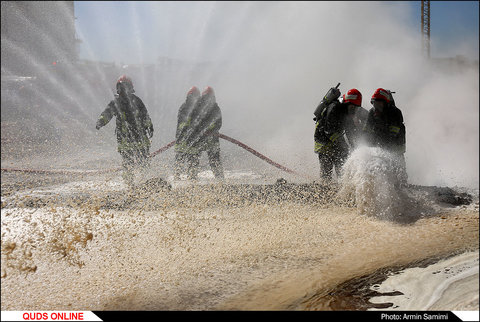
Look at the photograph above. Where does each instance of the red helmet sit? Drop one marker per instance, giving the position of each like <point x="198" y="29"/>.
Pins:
<point x="381" y="94"/>
<point x="125" y="83"/>
<point x="194" y="91"/>
<point x="208" y="90"/>
<point x="353" y="96"/>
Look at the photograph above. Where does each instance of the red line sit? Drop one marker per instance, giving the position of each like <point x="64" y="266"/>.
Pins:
<point x="256" y="153"/>
<point x="163" y="149"/>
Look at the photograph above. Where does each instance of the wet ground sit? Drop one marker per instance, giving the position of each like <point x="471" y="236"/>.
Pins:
<point x="85" y="243"/>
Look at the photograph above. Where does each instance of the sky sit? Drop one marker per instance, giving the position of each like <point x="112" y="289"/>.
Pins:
<point x="130" y="32"/>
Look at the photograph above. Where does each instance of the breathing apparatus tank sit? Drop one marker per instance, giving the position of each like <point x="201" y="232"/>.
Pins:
<point x="332" y="95"/>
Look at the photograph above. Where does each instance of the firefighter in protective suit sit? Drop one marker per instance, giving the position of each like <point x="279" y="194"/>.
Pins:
<point x="356" y="117"/>
<point x="385" y="127"/>
<point x="183" y="159"/>
<point x="338" y="130"/>
<point x="134" y="128"/>
<point x="201" y="134"/>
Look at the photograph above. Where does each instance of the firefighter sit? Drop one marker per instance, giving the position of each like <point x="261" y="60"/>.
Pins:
<point x="356" y="118"/>
<point x="385" y="127"/>
<point x="337" y="132"/>
<point x="134" y="128"/>
<point x="202" y="134"/>
<point x="183" y="155"/>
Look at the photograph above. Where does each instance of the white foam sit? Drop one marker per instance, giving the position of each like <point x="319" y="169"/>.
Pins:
<point x="450" y="284"/>
<point x="374" y="179"/>
<point x="207" y="177"/>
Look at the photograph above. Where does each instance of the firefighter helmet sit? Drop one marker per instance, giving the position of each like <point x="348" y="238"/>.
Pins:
<point x="381" y="95"/>
<point x="194" y="91"/>
<point x="353" y="96"/>
<point x="125" y="83"/>
<point x="208" y="91"/>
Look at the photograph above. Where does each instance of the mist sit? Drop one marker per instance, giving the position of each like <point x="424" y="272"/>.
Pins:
<point x="270" y="63"/>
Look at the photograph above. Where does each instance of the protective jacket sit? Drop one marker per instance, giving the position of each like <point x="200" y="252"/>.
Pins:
<point x="205" y="122"/>
<point x="329" y="129"/>
<point x="184" y="124"/>
<point x="386" y="129"/>
<point x="354" y="125"/>
<point x="134" y="127"/>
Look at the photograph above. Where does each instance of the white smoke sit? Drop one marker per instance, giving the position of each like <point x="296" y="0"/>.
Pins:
<point x="271" y="63"/>
<point x="444" y="129"/>
<point x="287" y="55"/>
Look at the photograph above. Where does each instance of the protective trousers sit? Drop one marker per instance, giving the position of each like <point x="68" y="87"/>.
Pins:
<point x="212" y="147"/>
<point x="334" y="159"/>
<point x="186" y="163"/>
<point x="214" y="160"/>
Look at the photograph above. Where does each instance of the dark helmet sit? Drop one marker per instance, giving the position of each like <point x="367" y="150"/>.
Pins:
<point x="125" y="83"/>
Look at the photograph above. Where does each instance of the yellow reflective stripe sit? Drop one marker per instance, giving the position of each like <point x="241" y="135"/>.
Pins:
<point x="182" y="125"/>
<point x="335" y="136"/>
<point x="394" y="129"/>
<point x="321" y="147"/>
<point x="126" y="145"/>
<point x="184" y="148"/>
<point x="212" y="126"/>
<point x="318" y="147"/>
<point x="180" y="147"/>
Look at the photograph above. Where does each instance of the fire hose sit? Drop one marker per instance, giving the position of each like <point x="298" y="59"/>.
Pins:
<point x="159" y="151"/>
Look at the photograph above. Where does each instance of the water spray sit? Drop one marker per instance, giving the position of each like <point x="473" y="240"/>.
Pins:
<point x="159" y="151"/>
